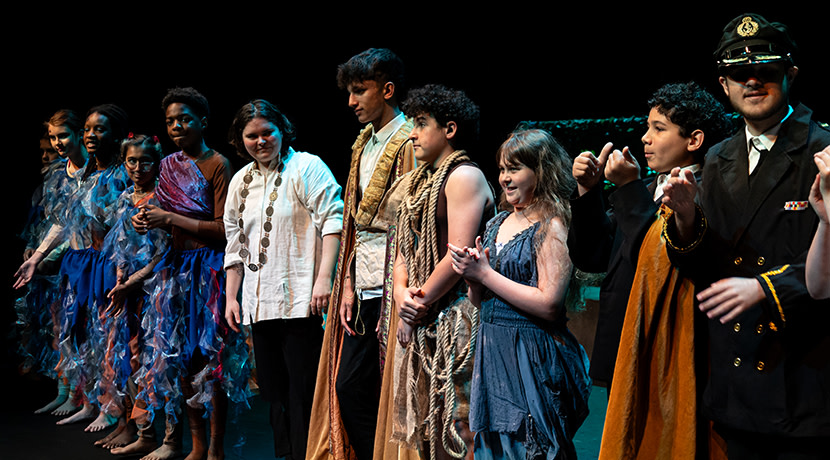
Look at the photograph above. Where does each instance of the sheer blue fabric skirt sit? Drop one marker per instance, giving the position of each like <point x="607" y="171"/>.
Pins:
<point x="186" y="335"/>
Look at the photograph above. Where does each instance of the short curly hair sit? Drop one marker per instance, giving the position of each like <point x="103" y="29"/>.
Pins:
<point x="445" y="105"/>
<point x="691" y="107"/>
<point x="378" y="64"/>
<point x="190" y="97"/>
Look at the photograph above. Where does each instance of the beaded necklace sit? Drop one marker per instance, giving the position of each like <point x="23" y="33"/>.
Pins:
<point x="265" y="241"/>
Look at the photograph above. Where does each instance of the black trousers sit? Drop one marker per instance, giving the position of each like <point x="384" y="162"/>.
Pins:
<point x="358" y="379"/>
<point x="753" y="446"/>
<point x="286" y="352"/>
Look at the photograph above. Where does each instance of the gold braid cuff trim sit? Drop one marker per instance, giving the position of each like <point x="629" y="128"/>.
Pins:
<point x="702" y="225"/>
<point x="766" y="277"/>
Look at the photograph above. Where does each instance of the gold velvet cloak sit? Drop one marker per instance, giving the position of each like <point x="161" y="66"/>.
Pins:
<point x="327" y="438"/>
<point x="652" y="408"/>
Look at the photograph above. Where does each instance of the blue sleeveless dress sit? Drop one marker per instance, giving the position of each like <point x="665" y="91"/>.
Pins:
<point x="530" y="383"/>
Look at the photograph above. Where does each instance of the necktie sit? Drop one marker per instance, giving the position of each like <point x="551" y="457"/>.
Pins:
<point x="755" y="153"/>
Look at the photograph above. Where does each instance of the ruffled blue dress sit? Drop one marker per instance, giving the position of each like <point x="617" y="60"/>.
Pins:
<point x="131" y="251"/>
<point x="185" y="332"/>
<point x="86" y="277"/>
<point x="530" y="384"/>
<point x="38" y="307"/>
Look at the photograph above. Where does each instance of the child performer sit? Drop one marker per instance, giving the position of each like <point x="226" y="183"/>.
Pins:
<point x="133" y="257"/>
<point x="194" y="356"/>
<point x="530" y="383"/>
<point x="65" y="133"/>
<point x="653" y="399"/>
<point x="447" y="200"/>
<point x="84" y="284"/>
<point x="283" y="220"/>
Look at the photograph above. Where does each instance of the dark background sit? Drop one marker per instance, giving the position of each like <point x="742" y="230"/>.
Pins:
<point x="523" y="63"/>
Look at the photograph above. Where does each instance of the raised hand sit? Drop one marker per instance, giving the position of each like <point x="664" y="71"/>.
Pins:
<point x="588" y="169"/>
<point x="679" y="195"/>
<point x="621" y="167"/>
<point x="820" y="191"/>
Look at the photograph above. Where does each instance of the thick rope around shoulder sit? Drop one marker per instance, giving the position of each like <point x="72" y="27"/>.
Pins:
<point x="418" y="244"/>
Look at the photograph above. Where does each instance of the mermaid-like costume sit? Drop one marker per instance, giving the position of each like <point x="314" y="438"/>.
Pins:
<point x="124" y="247"/>
<point x="186" y="335"/>
<point x="85" y="278"/>
<point x="36" y="309"/>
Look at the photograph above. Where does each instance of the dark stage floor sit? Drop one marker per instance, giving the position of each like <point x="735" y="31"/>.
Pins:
<point x="27" y="436"/>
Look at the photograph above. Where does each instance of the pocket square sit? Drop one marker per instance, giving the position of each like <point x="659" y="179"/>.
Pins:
<point x="796" y="205"/>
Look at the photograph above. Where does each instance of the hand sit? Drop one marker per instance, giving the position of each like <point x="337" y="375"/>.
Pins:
<point x="346" y="307"/>
<point x="118" y="298"/>
<point x="728" y="298"/>
<point x="588" y="169"/>
<point x="26" y="271"/>
<point x="679" y="195"/>
<point x="820" y="192"/>
<point x="404" y="334"/>
<point x="622" y="168"/>
<point x="27" y="253"/>
<point x="232" y="314"/>
<point x="320" y="293"/>
<point x="155" y="216"/>
<point x="472" y="264"/>
<point x="817" y="201"/>
<point x="411" y="308"/>
<point x="139" y="221"/>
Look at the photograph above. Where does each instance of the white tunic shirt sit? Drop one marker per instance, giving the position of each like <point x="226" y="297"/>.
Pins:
<point x="308" y="206"/>
<point x="370" y="247"/>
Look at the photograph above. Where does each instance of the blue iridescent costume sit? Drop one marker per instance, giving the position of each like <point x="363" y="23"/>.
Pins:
<point x="130" y="251"/>
<point x="186" y="335"/>
<point x="86" y="276"/>
<point x="37" y="308"/>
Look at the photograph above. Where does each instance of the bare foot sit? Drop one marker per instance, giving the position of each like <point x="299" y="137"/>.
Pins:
<point x="57" y="402"/>
<point x="164" y="452"/>
<point x="124" y="437"/>
<point x="102" y="422"/>
<point x="66" y="408"/>
<point x="86" y="413"/>
<point x="138" y="447"/>
<point x="108" y="441"/>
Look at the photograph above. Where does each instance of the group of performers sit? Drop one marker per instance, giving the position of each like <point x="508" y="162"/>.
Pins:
<point x="413" y="312"/>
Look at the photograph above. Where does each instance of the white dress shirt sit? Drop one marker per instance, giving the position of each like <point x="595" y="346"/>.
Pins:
<point x="760" y="143"/>
<point x="308" y="206"/>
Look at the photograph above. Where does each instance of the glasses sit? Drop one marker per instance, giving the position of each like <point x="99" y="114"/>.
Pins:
<point x="763" y="72"/>
<point x="133" y="163"/>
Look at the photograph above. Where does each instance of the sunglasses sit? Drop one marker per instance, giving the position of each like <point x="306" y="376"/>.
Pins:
<point x="762" y="72"/>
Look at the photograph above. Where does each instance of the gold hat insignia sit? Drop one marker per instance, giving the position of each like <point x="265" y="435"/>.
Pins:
<point x="747" y="27"/>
